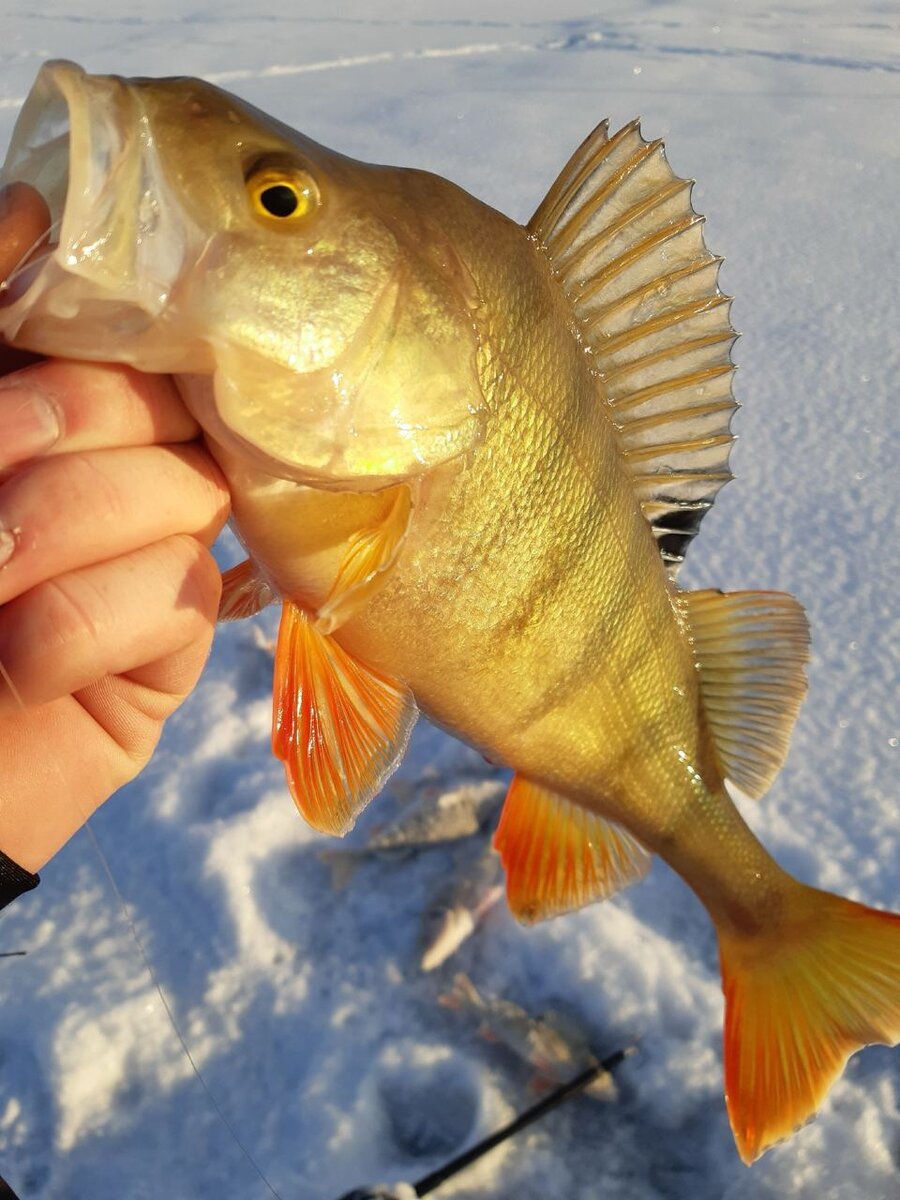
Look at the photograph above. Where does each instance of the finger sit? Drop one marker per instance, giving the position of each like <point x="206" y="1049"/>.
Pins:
<point x="108" y="619"/>
<point x="62" y="514"/>
<point x="63" y="759"/>
<point x="58" y="406"/>
<point x="57" y="765"/>
<point x="24" y="219"/>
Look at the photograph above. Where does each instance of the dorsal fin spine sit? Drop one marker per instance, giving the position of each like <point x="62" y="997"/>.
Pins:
<point x="647" y="205"/>
<point x="665" y="321"/>
<point x="639" y="293"/>
<point x="642" y="395"/>
<point x="658" y="356"/>
<point x="644" y="453"/>
<point x="562" y="238"/>
<point x="584" y="163"/>
<point x="636" y="252"/>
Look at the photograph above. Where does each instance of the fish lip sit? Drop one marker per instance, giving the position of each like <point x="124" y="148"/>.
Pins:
<point x="74" y="133"/>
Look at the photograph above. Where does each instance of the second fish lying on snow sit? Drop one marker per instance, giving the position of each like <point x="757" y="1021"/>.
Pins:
<point x="553" y="1045"/>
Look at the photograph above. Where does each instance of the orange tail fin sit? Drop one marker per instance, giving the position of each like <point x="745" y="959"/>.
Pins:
<point x="797" y="1006"/>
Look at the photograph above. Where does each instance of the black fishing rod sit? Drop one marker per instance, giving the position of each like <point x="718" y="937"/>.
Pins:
<point x="6" y="1192"/>
<point x="428" y="1183"/>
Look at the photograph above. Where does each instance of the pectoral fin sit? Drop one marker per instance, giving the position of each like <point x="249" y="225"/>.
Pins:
<point x="244" y="593"/>
<point x="369" y="554"/>
<point x="559" y="856"/>
<point x="339" y="727"/>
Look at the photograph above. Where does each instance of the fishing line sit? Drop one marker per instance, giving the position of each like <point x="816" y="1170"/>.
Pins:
<point x="25" y="261"/>
<point x="129" y="921"/>
<point x="126" y="913"/>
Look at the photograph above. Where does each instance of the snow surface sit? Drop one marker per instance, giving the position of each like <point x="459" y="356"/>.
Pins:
<point x="305" y="1009"/>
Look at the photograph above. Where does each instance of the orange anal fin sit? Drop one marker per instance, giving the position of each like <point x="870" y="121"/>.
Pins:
<point x="368" y="556"/>
<point x="559" y="856"/>
<point x="243" y="592"/>
<point x="797" y="1005"/>
<point x="339" y="727"/>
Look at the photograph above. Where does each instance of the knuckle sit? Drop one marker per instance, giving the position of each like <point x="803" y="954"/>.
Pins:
<point x="73" y="610"/>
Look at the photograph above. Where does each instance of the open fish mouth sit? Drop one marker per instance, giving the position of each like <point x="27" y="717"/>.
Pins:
<point x="109" y="256"/>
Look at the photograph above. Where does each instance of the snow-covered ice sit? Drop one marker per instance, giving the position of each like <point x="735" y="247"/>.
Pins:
<point x="305" y="1010"/>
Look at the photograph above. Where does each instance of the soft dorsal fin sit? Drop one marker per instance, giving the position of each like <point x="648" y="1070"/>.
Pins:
<point x="751" y="649"/>
<point x="559" y="856"/>
<point x="627" y="247"/>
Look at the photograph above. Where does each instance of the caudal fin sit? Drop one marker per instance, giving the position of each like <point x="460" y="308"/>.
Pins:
<point x="797" y="1005"/>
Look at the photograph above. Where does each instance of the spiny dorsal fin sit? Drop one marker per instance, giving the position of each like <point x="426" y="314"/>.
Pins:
<point x="559" y="856"/>
<point x="750" y="648"/>
<point x="628" y="250"/>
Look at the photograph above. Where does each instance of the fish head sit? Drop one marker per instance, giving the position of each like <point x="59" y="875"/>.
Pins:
<point x="320" y="319"/>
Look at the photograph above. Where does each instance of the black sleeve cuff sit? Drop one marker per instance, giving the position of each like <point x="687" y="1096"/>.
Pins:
<point x="14" y="880"/>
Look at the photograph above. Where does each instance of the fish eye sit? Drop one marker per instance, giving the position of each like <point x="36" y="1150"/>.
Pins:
<point x="281" y="193"/>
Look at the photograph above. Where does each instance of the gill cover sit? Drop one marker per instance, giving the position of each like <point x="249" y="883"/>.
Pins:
<point x="364" y="406"/>
<point x="325" y="324"/>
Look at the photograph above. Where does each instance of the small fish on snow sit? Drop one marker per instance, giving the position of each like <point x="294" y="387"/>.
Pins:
<point x="456" y="911"/>
<point x="467" y="458"/>
<point x="554" y="1046"/>
<point x="434" y="816"/>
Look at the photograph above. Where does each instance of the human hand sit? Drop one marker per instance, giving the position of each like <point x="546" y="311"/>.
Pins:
<point x="108" y="592"/>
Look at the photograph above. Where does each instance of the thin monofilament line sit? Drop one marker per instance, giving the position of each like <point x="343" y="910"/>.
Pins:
<point x="126" y="915"/>
<point x="25" y="261"/>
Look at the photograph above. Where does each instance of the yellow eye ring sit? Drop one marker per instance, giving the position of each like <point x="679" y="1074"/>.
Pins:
<point x="282" y="195"/>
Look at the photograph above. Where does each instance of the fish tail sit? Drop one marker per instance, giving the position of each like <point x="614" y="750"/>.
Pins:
<point x="798" y="1003"/>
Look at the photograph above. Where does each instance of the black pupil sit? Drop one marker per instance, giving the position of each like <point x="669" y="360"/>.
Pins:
<point x="279" y="200"/>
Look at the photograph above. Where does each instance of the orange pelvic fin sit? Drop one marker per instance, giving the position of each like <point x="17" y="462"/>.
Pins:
<point x="559" y="856"/>
<point x="244" y="593"/>
<point x="751" y="649"/>
<point x="797" y="1004"/>
<point x="339" y="727"/>
<point x="369" y="554"/>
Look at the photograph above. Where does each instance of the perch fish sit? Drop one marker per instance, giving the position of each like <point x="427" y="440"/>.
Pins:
<point x="467" y="458"/>
<point x="435" y="816"/>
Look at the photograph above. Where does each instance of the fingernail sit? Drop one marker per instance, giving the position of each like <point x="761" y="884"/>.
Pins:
<point x="28" y="424"/>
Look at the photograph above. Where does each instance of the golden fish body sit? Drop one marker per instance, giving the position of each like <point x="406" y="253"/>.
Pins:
<point x="467" y="457"/>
